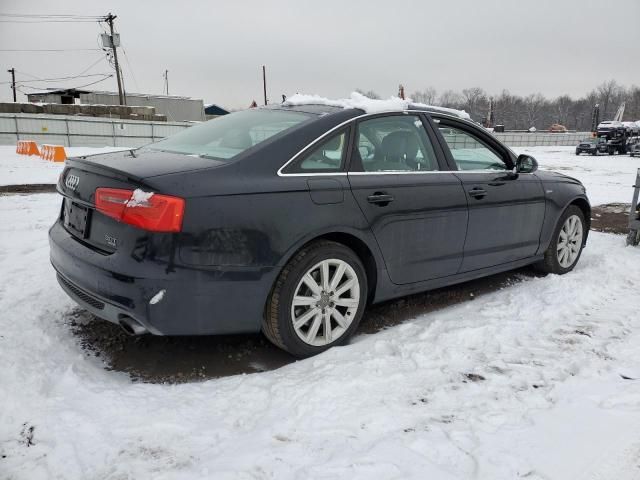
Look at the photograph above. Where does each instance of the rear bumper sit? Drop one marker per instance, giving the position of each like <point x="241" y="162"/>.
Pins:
<point x="195" y="301"/>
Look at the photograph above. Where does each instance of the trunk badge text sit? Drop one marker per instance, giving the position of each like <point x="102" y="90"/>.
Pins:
<point x="72" y="182"/>
<point x="111" y="241"/>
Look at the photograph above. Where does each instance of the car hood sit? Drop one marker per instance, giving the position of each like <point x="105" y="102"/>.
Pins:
<point x="147" y="163"/>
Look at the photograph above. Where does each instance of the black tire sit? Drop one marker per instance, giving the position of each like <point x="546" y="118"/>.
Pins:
<point x="633" y="237"/>
<point x="277" y="323"/>
<point x="550" y="263"/>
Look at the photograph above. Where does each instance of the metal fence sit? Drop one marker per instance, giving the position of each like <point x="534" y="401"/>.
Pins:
<point x="73" y="131"/>
<point x="539" y="139"/>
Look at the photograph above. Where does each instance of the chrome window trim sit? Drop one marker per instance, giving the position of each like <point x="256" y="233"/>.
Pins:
<point x="422" y="172"/>
<point x="354" y="119"/>
<point x="337" y="127"/>
<point x="310" y="145"/>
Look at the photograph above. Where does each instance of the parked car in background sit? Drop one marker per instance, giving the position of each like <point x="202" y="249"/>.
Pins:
<point x="292" y="219"/>
<point x="589" y="146"/>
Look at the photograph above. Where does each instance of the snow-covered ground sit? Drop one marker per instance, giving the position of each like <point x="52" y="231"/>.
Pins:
<point x="526" y="382"/>
<point x="25" y="170"/>
<point x="607" y="178"/>
<point x="539" y="380"/>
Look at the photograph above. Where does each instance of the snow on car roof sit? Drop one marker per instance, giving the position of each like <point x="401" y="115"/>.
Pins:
<point x="369" y="105"/>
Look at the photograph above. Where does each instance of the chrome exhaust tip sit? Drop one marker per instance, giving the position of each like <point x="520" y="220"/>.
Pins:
<point x="131" y="326"/>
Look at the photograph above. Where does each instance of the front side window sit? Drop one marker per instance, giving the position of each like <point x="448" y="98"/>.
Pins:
<point x="396" y="143"/>
<point x="327" y="156"/>
<point x="225" y="137"/>
<point x="469" y="152"/>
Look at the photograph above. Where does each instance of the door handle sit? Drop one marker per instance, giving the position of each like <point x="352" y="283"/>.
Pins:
<point x="477" y="192"/>
<point x="380" y="198"/>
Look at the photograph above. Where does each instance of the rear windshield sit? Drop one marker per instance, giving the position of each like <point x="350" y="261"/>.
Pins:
<point x="225" y="137"/>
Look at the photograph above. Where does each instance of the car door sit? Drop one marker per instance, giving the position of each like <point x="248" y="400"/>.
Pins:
<point x="417" y="211"/>
<point x="506" y="210"/>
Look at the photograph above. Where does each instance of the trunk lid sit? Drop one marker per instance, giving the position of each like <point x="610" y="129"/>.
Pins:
<point x="122" y="170"/>
<point x="145" y="163"/>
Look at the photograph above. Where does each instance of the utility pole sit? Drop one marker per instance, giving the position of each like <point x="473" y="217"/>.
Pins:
<point x="110" y="18"/>
<point x="264" y="83"/>
<point x="166" y="81"/>
<point x="12" y="71"/>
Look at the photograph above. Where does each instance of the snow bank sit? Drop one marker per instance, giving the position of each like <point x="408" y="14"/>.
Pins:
<point x="369" y="105"/>
<point x="524" y="382"/>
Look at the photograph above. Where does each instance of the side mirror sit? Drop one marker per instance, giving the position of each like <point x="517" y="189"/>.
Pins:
<point x="526" y="164"/>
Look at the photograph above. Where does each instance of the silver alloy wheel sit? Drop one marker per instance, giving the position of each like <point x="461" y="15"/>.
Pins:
<point x="325" y="302"/>
<point x="569" y="241"/>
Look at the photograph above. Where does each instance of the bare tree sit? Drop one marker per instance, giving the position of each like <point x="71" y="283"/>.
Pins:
<point x="607" y="91"/>
<point x="518" y="113"/>
<point x="533" y="108"/>
<point x="475" y="101"/>
<point x="428" y="96"/>
<point x="562" y="106"/>
<point x="633" y="103"/>
<point x="451" y="99"/>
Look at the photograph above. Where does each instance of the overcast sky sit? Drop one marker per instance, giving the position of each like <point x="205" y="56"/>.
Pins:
<point x="214" y="49"/>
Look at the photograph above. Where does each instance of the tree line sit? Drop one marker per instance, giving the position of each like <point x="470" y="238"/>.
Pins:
<point x="517" y="112"/>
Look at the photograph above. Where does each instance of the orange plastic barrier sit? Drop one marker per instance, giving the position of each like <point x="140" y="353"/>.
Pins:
<point x="27" y="147"/>
<point x="53" y="153"/>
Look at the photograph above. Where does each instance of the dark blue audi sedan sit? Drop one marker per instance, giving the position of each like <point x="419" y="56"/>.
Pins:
<point x="291" y="219"/>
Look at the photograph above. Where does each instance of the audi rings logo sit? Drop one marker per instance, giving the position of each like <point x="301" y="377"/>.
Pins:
<point x="72" y="182"/>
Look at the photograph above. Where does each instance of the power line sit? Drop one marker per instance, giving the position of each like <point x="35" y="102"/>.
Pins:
<point x="45" y="18"/>
<point x="51" y="21"/>
<point x="48" y="15"/>
<point x="71" y="88"/>
<point x="92" y="65"/>
<point x="126" y="57"/>
<point x="50" y="49"/>
<point x="71" y="77"/>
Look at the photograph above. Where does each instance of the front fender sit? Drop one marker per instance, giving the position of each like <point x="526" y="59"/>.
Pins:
<point x="556" y="204"/>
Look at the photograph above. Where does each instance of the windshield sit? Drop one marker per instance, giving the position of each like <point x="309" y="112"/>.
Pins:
<point x="225" y="137"/>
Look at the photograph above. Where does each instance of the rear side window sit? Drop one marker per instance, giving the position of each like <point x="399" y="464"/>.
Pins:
<point x="395" y="143"/>
<point x="327" y="156"/>
<point x="225" y="137"/>
<point x="469" y="152"/>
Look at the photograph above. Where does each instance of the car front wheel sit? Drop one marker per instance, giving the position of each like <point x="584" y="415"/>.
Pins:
<point x="567" y="243"/>
<point x="317" y="301"/>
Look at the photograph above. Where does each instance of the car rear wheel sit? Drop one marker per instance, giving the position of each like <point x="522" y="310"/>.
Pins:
<point x="317" y="301"/>
<point x="566" y="245"/>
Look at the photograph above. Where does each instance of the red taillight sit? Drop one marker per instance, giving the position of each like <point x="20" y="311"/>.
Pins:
<point x="153" y="212"/>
